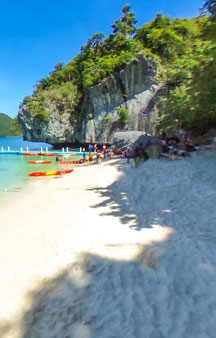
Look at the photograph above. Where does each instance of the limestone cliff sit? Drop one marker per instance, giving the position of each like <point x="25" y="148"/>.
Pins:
<point x="57" y="130"/>
<point x="135" y="87"/>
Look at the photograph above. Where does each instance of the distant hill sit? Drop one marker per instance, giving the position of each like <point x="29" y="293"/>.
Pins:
<point x="8" y="126"/>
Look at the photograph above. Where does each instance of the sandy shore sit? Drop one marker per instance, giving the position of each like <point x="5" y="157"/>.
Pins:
<point x="112" y="251"/>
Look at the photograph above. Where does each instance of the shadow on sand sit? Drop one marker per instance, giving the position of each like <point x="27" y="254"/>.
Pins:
<point x="94" y="297"/>
<point x="98" y="296"/>
<point x="117" y="196"/>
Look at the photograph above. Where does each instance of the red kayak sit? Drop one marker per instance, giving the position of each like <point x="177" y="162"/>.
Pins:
<point x="49" y="173"/>
<point x="46" y="154"/>
<point x="29" y="154"/>
<point x="39" y="162"/>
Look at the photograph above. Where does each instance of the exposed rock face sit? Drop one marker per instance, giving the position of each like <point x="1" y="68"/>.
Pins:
<point x="150" y="144"/>
<point x="58" y="130"/>
<point x="133" y="139"/>
<point x="125" y="139"/>
<point x="135" y="87"/>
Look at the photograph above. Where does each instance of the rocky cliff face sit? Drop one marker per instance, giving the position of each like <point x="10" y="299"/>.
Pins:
<point x="135" y="87"/>
<point x="58" y="130"/>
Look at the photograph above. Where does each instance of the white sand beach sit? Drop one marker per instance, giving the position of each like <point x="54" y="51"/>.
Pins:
<point x="111" y="251"/>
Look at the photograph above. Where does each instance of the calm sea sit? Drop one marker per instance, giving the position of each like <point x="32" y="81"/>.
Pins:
<point x="14" y="169"/>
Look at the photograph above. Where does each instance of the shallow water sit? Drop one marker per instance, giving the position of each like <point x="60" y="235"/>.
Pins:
<point x="14" y="169"/>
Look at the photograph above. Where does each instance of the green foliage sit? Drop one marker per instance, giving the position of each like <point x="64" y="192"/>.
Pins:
<point x="42" y="116"/>
<point x="187" y="52"/>
<point x="202" y="94"/>
<point x="166" y="37"/>
<point x="93" y="43"/>
<point x="64" y="97"/>
<point x="107" y="120"/>
<point x="38" y="110"/>
<point x="209" y="7"/>
<point x="175" y="111"/>
<point x="27" y="99"/>
<point x="59" y="66"/>
<point x="123" y="116"/>
<point x="125" y="25"/>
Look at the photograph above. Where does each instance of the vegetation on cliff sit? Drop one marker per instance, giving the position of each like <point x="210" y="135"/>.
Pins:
<point x="185" y="50"/>
<point x="9" y="126"/>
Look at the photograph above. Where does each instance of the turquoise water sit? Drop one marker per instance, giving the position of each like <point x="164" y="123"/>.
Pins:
<point x="14" y="169"/>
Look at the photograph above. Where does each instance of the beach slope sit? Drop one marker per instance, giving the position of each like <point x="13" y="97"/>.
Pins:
<point x="112" y="251"/>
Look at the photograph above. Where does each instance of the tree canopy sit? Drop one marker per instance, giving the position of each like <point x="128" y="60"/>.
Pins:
<point x="125" y="25"/>
<point x="209" y="7"/>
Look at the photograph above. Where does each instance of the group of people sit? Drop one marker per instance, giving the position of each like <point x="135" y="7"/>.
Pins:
<point x="170" y="148"/>
<point x="101" y="153"/>
<point x="104" y="153"/>
<point x="173" y="149"/>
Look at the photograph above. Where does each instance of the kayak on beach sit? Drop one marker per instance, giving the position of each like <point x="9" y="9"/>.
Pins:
<point x="39" y="162"/>
<point x="49" y="173"/>
<point x="71" y="162"/>
<point x="67" y="155"/>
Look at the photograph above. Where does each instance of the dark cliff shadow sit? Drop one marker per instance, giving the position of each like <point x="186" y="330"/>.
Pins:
<point x="91" y="297"/>
<point x="118" y="200"/>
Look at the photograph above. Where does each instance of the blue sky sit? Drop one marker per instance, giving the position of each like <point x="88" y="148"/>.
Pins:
<point x="37" y="34"/>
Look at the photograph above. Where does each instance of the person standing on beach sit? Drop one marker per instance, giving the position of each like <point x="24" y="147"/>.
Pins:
<point x="118" y="151"/>
<point x="104" y="150"/>
<point x="91" y="147"/>
<point x="110" y="153"/>
<point x="99" y="157"/>
<point x="90" y="157"/>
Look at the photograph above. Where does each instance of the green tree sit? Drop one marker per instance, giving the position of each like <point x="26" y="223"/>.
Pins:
<point x="59" y="66"/>
<point x="209" y="7"/>
<point x="125" y="25"/>
<point x="93" y="42"/>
